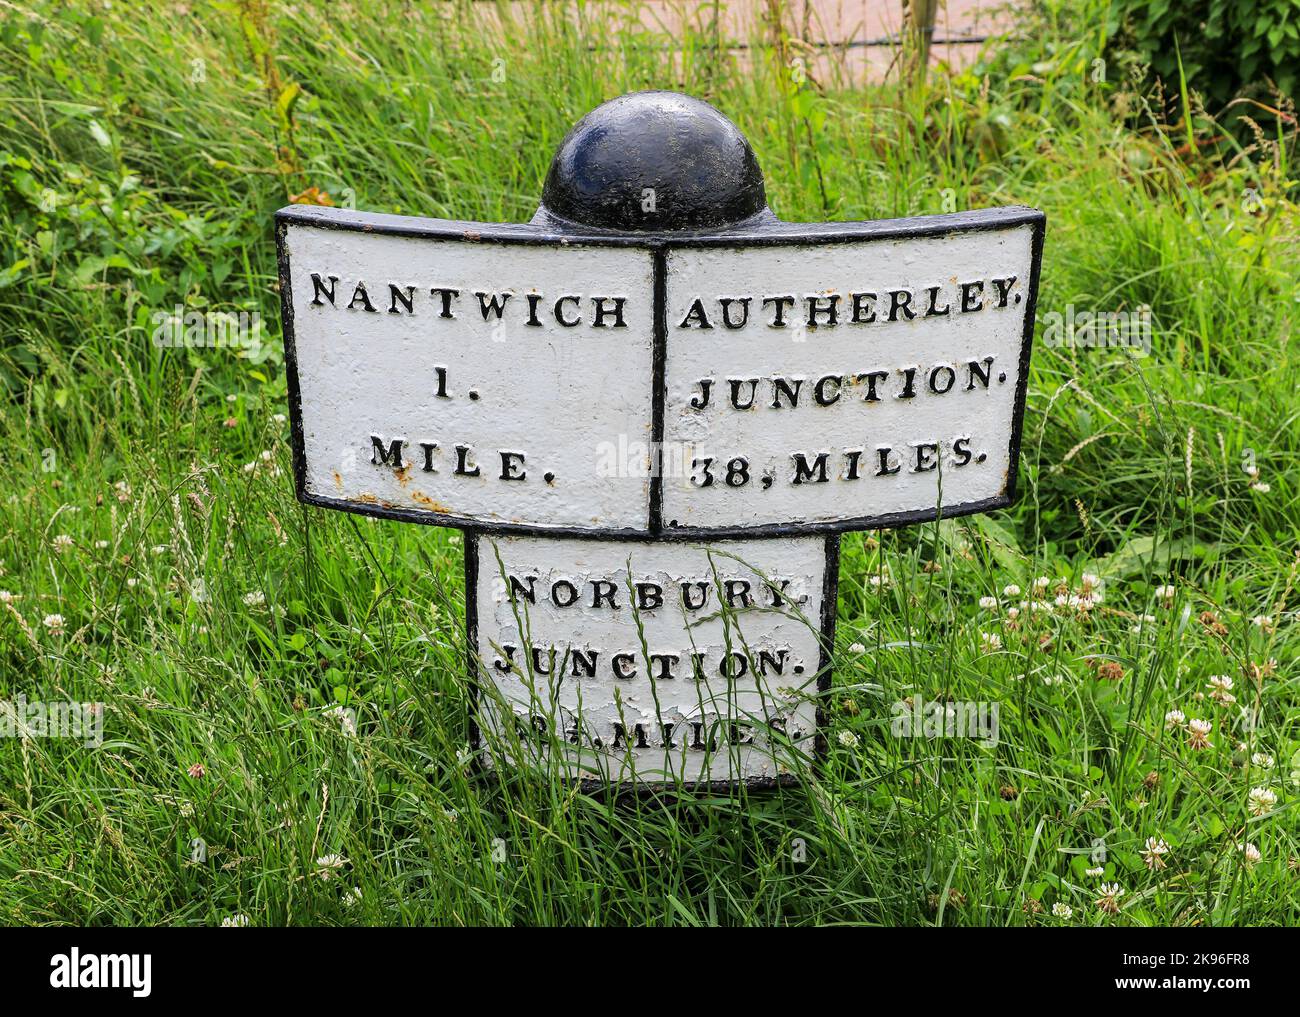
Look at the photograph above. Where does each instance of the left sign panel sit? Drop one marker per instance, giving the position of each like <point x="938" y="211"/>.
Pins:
<point x="466" y="374"/>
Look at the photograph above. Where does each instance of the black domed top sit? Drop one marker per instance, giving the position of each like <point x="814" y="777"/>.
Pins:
<point x="654" y="161"/>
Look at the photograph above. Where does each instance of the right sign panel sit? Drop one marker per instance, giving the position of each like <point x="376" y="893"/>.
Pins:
<point x="846" y="382"/>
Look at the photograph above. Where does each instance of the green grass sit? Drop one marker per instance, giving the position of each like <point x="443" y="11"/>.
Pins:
<point x="141" y="158"/>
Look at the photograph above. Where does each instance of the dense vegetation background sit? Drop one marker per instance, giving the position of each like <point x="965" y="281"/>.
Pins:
<point x="153" y="558"/>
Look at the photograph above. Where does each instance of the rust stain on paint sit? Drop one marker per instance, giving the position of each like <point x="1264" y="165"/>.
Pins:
<point x="424" y="501"/>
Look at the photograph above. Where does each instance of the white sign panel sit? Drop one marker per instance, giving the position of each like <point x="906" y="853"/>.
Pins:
<point x="656" y="662"/>
<point x="779" y="378"/>
<point x="862" y="382"/>
<point x="457" y="379"/>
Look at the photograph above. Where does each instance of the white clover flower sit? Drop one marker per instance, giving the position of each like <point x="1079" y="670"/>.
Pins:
<point x="1099" y="870"/>
<point x="6" y="597"/>
<point x="1011" y="590"/>
<point x="1261" y="800"/>
<point x="848" y="739"/>
<point x="1013" y="613"/>
<point x="1260" y="487"/>
<point x="1165" y="593"/>
<point x="1253" y="857"/>
<point x="278" y="418"/>
<point x="62" y="542"/>
<point x="1042" y="583"/>
<point x="346" y="719"/>
<point x="53" y="622"/>
<point x="234" y="921"/>
<point x="352" y="897"/>
<point x="1219" y="685"/>
<point x="255" y="599"/>
<point x="101" y="545"/>
<point x="989" y="603"/>
<point x="1198" y="734"/>
<point x="1108" y="901"/>
<point x="327" y="865"/>
<point x="1151" y="854"/>
<point x="1053" y="679"/>
<point x="990" y="641"/>
<point x="1062" y="910"/>
<point x="1263" y="621"/>
<point x="1089" y="582"/>
<point x="857" y="648"/>
<point x="123" y="490"/>
<point x="1263" y="761"/>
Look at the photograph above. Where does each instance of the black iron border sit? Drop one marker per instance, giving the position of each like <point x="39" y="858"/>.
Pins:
<point x="759" y="231"/>
<point x="765" y="231"/>
<point x="589" y="785"/>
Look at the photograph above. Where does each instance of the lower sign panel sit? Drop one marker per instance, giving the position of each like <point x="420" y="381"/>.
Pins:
<point x="692" y="665"/>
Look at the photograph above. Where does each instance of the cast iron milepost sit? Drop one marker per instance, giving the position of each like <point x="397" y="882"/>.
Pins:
<point x="654" y="408"/>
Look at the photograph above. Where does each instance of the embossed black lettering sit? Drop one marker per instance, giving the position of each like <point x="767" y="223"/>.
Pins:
<point x="726" y="303"/>
<point x="318" y="290"/>
<point x="446" y="296"/>
<point x="696" y="317"/>
<point x="820" y="394"/>
<point x="698" y="402"/>
<point x="900" y="302"/>
<point x="788" y="387"/>
<point x="360" y="295"/>
<point x="602" y="312"/>
<point x="559" y="312"/>
<point x="779" y="306"/>
<point x="806" y="474"/>
<point x="464" y="468"/>
<point x="392" y="456"/>
<point x="864" y="311"/>
<point x="492" y="303"/>
<point x="512" y="466"/>
<point x="396" y="296"/>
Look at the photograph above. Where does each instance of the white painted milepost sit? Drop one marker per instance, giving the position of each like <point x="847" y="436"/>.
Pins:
<point x="654" y="407"/>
